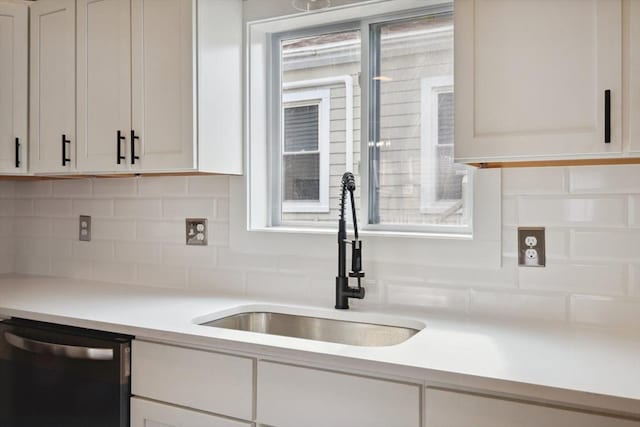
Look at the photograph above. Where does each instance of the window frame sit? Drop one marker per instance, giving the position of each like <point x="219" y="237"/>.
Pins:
<point x="322" y="98"/>
<point x="431" y="87"/>
<point x="259" y="112"/>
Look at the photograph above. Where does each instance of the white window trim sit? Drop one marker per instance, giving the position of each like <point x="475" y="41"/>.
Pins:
<point x="431" y="87"/>
<point x="322" y="98"/>
<point x="249" y="224"/>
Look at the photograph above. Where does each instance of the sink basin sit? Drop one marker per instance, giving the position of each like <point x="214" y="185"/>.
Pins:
<point x="316" y="328"/>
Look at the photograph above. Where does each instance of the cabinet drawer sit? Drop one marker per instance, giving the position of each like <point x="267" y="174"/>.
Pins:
<point x="197" y="379"/>
<point x="290" y="396"/>
<point x="153" y="414"/>
<point x="452" y="409"/>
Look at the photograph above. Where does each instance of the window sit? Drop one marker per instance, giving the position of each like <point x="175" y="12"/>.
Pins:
<point x="444" y="183"/>
<point x="372" y="96"/>
<point x="305" y="151"/>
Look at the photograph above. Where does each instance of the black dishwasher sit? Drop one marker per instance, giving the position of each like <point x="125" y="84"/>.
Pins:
<point x="59" y="376"/>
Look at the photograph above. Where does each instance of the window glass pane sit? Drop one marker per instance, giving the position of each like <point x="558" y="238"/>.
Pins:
<point x="301" y="128"/>
<point x="445" y="118"/>
<point x="319" y="77"/>
<point x="411" y="155"/>
<point x="301" y="177"/>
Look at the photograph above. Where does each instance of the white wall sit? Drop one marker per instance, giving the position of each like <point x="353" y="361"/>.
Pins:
<point x="592" y="215"/>
<point x="7" y="189"/>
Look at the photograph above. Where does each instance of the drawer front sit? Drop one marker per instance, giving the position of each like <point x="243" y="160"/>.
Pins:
<point x="290" y="396"/>
<point x="197" y="379"/>
<point x="153" y="414"/>
<point x="452" y="409"/>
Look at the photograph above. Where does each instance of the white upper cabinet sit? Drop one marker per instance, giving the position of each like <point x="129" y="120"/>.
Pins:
<point x="104" y="84"/>
<point x="531" y="79"/>
<point x="163" y="85"/>
<point x="53" y="81"/>
<point x="159" y="86"/>
<point x="14" y="72"/>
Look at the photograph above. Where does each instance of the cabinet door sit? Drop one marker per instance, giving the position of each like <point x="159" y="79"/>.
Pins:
<point x="14" y="48"/>
<point x="452" y="409"/>
<point x="632" y="92"/>
<point x="531" y="76"/>
<point x="53" y="82"/>
<point x="206" y="381"/>
<point x="104" y="84"/>
<point x="151" y="414"/>
<point x="163" y="85"/>
<point x="290" y="396"/>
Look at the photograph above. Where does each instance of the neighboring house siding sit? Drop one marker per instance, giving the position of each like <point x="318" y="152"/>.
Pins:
<point x="405" y="63"/>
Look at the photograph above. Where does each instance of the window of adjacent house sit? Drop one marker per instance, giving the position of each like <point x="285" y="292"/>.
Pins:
<point x="305" y="151"/>
<point x="406" y="164"/>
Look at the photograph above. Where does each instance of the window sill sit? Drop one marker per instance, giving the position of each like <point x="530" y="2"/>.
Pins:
<point x="364" y="233"/>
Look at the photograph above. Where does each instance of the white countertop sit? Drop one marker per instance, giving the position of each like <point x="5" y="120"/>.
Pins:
<point x="601" y="368"/>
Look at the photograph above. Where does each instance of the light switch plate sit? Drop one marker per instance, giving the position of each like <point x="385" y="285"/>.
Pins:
<point x="531" y="247"/>
<point x="196" y="231"/>
<point x="84" y="225"/>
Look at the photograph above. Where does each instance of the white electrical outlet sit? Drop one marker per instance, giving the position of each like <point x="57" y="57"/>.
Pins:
<point x="531" y="247"/>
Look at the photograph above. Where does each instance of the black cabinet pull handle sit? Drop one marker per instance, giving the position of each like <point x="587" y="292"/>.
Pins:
<point x="133" y="147"/>
<point x="607" y="116"/>
<point x="65" y="141"/>
<point x="119" y="138"/>
<point x="17" y="152"/>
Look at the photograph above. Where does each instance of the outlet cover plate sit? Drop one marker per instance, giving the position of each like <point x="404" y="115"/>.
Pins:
<point x="197" y="231"/>
<point x="540" y="258"/>
<point x="84" y="228"/>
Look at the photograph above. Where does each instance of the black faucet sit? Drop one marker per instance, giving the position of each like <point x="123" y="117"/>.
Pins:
<point x="343" y="290"/>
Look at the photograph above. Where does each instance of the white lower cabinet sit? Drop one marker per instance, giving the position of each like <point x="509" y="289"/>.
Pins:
<point x="203" y="380"/>
<point x="291" y="396"/>
<point x="455" y="409"/>
<point x="153" y="414"/>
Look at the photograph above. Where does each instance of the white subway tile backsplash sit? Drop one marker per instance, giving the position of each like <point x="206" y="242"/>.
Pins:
<point x="592" y="276"/>
<point x="612" y="179"/>
<point x="114" y="271"/>
<point x="33" y="264"/>
<point x="138" y="208"/>
<point x="209" y="186"/>
<point x="509" y="211"/>
<point x="277" y="285"/>
<point x="435" y="298"/>
<point x="162" y="187"/>
<point x="223" y="281"/>
<point x="26" y="189"/>
<point x="70" y="267"/>
<point x="32" y="227"/>
<point x="525" y="181"/>
<point x="602" y="211"/>
<point x="138" y="252"/>
<point x="112" y="229"/>
<point x="115" y="187"/>
<point x="7" y="189"/>
<point x="92" y="207"/>
<point x="603" y="279"/>
<point x="606" y="311"/>
<point x="183" y="255"/>
<point x="72" y="188"/>
<point x="52" y="207"/>
<point x="65" y="228"/>
<point x="188" y="208"/>
<point x="231" y="260"/>
<point x="162" y="275"/>
<point x="550" y="307"/>
<point x="23" y="207"/>
<point x="94" y="250"/>
<point x="605" y="245"/>
<point x="161" y="231"/>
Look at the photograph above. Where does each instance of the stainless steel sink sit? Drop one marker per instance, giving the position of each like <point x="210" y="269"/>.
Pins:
<point x="316" y="328"/>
